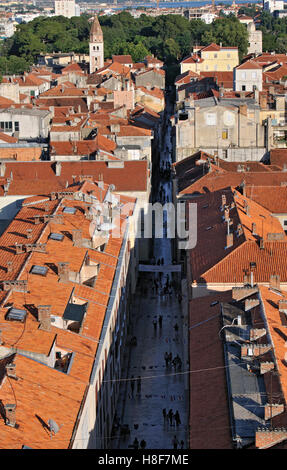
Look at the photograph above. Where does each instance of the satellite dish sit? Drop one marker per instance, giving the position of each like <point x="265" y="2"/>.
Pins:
<point x="54" y="428"/>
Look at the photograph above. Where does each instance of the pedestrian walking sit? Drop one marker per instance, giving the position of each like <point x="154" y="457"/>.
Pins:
<point x="139" y="384"/>
<point x="177" y="418"/>
<point x="143" y="444"/>
<point x="176" y="327"/>
<point x="166" y="358"/>
<point x="164" y="414"/>
<point x="175" y="442"/>
<point x="160" y="321"/>
<point x="136" y="443"/>
<point x="132" y="385"/>
<point x="174" y="362"/>
<point x="170" y="358"/>
<point x="154" y="325"/>
<point x="170" y="417"/>
<point x="181" y="444"/>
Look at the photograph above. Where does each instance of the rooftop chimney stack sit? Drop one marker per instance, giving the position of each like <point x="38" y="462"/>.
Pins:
<point x="10" y="411"/>
<point x="9" y="266"/>
<point x="63" y="272"/>
<point x="11" y="370"/>
<point x="275" y="281"/>
<point x="77" y="237"/>
<point x="254" y="228"/>
<point x="229" y="240"/>
<point x="247" y="209"/>
<point x="29" y="233"/>
<point x="58" y="168"/>
<point x="2" y="169"/>
<point x="44" y="317"/>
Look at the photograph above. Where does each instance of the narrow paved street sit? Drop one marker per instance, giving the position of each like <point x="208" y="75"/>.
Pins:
<point x="162" y="386"/>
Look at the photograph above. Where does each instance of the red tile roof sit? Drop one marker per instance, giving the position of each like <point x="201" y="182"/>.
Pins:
<point x="212" y="262"/>
<point x="250" y="64"/>
<point x="31" y="178"/>
<point x="209" y="422"/>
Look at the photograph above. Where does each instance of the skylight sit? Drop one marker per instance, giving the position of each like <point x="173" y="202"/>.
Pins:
<point x="56" y="236"/>
<point x="16" y="314"/>
<point x="69" y="210"/>
<point x="40" y="270"/>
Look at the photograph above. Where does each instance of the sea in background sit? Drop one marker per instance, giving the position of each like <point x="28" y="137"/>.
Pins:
<point x="183" y="4"/>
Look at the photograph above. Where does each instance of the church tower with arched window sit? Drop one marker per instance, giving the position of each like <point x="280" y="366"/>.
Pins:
<point x="96" y="46"/>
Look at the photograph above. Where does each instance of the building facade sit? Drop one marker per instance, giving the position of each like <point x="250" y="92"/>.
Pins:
<point x="65" y="8"/>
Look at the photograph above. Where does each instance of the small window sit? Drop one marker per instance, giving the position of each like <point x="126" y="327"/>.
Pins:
<point x="40" y="270"/>
<point x="56" y="236"/>
<point x="69" y="210"/>
<point x="243" y="88"/>
<point x="16" y="124"/>
<point x="285" y="222"/>
<point x="225" y="134"/>
<point x="215" y="56"/>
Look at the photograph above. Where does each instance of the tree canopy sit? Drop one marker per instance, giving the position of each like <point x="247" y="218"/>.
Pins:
<point x="168" y="37"/>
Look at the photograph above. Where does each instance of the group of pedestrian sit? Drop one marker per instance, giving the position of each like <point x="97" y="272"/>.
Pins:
<point x="137" y="381"/>
<point x="171" y="417"/>
<point x="175" y="443"/>
<point x="165" y="169"/>
<point x="137" y="444"/>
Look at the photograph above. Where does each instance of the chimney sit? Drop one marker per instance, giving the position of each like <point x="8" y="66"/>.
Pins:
<point x="229" y="240"/>
<point x="58" y="168"/>
<point x="29" y="233"/>
<point x="11" y="371"/>
<point x="239" y="230"/>
<point x="63" y="272"/>
<point x="246" y="207"/>
<point x="256" y="95"/>
<point x="253" y="228"/>
<point x="19" y="248"/>
<point x="261" y="243"/>
<point x="223" y="201"/>
<point x="2" y="169"/>
<point x="10" y="412"/>
<point x="226" y="214"/>
<point x="274" y="282"/>
<point x="44" y="317"/>
<point x="263" y="101"/>
<point x="36" y="219"/>
<point x="282" y="305"/>
<point x="9" y="266"/>
<point x="77" y="237"/>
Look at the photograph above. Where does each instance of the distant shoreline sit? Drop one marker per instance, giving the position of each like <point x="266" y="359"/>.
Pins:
<point x="187" y="4"/>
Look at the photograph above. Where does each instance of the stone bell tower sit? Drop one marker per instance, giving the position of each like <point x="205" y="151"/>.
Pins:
<point x="96" y="46"/>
